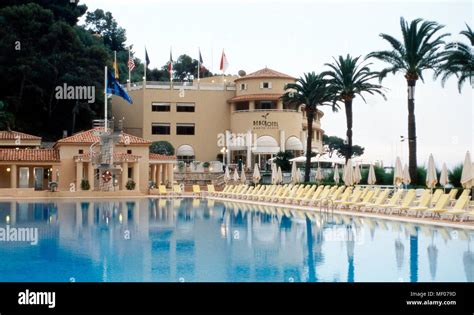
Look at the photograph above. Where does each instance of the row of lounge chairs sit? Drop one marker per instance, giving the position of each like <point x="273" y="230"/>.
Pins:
<point x="436" y="204"/>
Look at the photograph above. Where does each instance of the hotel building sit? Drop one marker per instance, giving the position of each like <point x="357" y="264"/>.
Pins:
<point x="241" y="117"/>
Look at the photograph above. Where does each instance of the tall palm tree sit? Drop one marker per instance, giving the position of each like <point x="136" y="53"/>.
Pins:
<point x="349" y="78"/>
<point x="458" y="60"/>
<point x="418" y="51"/>
<point x="311" y="90"/>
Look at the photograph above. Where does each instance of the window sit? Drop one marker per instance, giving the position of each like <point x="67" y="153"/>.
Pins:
<point x="265" y="85"/>
<point x="243" y="86"/>
<point x="266" y="105"/>
<point x="81" y="151"/>
<point x="160" y="107"/>
<point x="185" y="129"/>
<point x="129" y="151"/>
<point x="160" y="129"/>
<point x="185" y="107"/>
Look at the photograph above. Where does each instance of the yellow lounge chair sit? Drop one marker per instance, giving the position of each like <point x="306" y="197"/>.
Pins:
<point x="381" y="198"/>
<point x="406" y="202"/>
<point x="392" y="202"/>
<point x="367" y="198"/>
<point x="349" y="200"/>
<point x="334" y="194"/>
<point x="423" y="204"/>
<point x="459" y="208"/>
<point x="439" y="207"/>
<point x="162" y="190"/>
<point x="211" y="190"/>
<point x="197" y="190"/>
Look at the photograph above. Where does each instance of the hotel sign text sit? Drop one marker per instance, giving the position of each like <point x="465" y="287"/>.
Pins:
<point x="265" y="124"/>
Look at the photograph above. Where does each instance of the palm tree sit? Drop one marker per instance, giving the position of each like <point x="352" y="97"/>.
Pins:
<point x="417" y="52"/>
<point x="350" y="78"/>
<point x="311" y="90"/>
<point x="458" y="60"/>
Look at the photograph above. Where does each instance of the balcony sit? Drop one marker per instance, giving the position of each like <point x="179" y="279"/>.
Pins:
<point x="166" y="85"/>
<point x="265" y="110"/>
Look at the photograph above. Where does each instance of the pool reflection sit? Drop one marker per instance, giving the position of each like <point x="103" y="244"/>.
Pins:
<point x="203" y="240"/>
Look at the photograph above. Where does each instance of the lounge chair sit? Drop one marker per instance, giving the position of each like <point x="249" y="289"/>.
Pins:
<point x="307" y="195"/>
<point x="367" y="198"/>
<point x="211" y="190"/>
<point x="162" y="190"/>
<point x="439" y="207"/>
<point x="380" y="200"/>
<point x="333" y="195"/>
<point x="347" y="200"/>
<point x="406" y="202"/>
<point x="177" y="190"/>
<point x="392" y="202"/>
<point x="423" y="204"/>
<point x="197" y="190"/>
<point x="459" y="209"/>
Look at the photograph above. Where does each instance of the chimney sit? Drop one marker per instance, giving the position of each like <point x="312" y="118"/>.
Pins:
<point x="64" y="134"/>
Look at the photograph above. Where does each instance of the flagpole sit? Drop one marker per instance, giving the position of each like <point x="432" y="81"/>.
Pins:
<point x="129" y="71"/>
<point x="115" y="64"/>
<point x="199" y="64"/>
<point x="144" y="68"/>
<point x="105" y="99"/>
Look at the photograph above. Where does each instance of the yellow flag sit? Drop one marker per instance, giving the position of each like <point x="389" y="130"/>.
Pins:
<point x="116" y="71"/>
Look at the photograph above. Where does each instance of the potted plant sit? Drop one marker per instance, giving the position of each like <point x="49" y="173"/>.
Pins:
<point x="181" y="166"/>
<point x="85" y="184"/>
<point x="130" y="185"/>
<point x="206" y="166"/>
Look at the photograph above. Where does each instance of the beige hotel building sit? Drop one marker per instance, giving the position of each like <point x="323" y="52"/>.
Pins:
<point x="241" y="117"/>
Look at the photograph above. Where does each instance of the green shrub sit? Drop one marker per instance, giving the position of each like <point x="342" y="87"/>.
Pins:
<point x="181" y="166"/>
<point x="130" y="185"/>
<point x="162" y="147"/>
<point x="85" y="184"/>
<point x="206" y="164"/>
<point x="282" y="160"/>
<point x="455" y="175"/>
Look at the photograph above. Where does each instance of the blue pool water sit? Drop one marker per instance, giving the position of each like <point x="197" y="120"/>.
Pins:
<point x="200" y="240"/>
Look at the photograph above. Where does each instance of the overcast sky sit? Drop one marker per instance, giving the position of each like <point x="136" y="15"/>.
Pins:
<point x="300" y="36"/>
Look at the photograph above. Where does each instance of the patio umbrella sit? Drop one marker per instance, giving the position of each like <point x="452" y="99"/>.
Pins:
<point x="279" y="176"/>
<point x="294" y="175"/>
<point x="319" y="175"/>
<point x="243" y="178"/>
<point x="274" y="174"/>
<point x="336" y="175"/>
<point x="300" y="178"/>
<point x="431" y="177"/>
<point x="348" y="174"/>
<point x="433" y="260"/>
<point x="398" y="173"/>
<point x="357" y="174"/>
<point x="227" y="175"/>
<point x="467" y="180"/>
<point x="371" y="179"/>
<point x="406" y="175"/>
<point x="236" y="175"/>
<point x="443" y="179"/>
<point x="399" y="253"/>
<point x="256" y="174"/>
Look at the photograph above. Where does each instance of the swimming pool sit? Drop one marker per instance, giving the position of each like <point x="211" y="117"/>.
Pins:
<point x="191" y="240"/>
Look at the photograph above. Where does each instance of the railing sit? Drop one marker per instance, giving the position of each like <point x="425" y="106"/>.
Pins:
<point x="188" y="85"/>
<point x="265" y="110"/>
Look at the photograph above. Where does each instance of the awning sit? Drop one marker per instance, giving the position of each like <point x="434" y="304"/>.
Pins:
<point x="293" y="144"/>
<point x="267" y="145"/>
<point x="185" y="150"/>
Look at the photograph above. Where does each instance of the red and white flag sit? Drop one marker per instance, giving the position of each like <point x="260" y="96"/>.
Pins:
<point x="224" y="63"/>
<point x="170" y="63"/>
<point x="131" y="64"/>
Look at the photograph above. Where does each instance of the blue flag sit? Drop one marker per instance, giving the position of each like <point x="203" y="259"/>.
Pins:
<point x="114" y="87"/>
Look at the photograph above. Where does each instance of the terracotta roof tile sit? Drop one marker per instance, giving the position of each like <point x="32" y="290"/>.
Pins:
<point x="266" y="73"/>
<point x="11" y="135"/>
<point x="256" y="97"/>
<point x="33" y="155"/>
<point x="89" y="137"/>
<point x="154" y="156"/>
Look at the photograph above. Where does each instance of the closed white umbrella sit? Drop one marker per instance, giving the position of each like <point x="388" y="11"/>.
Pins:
<point x="357" y="174"/>
<point x="371" y="179"/>
<point x="319" y="175"/>
<point x="467" y="176"/>
<point x="406" y="175"/>
<point x="243" y="178"/>
<point x="274" y="174"/>
<point x="431" y="177"/>
<point x="336" y="175"/>
<point x="294" y="175"/>
<point x="443" y="179"/>
<point x="398" y="173"/>
<point x="279" y="176"/>
<point x="348" y="174"/>
<point x="300" y="177"/>
<point x="236" y="175"/>
<point x="227" y="175"/>
<point x="256" y="174"/>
